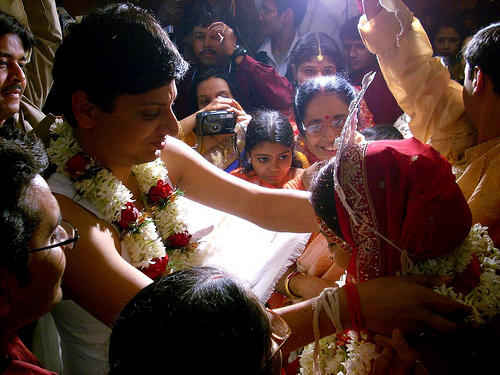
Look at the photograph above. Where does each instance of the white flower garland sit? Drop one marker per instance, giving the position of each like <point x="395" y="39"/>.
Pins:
<point x="145" y="241"/>
<point x="347" y="354"/>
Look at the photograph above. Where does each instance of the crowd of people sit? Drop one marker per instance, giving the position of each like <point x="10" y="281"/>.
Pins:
<point x="372" y="132"/>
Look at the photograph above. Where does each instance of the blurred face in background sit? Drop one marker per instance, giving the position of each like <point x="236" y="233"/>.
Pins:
<point x="357" y="56"/>
<point x="210" y="89"/>
<point x="446" y="42"/>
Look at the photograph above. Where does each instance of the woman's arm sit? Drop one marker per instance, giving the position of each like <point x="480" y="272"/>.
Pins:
<point x="96" y="276"/>
<point x="273" y="209"/>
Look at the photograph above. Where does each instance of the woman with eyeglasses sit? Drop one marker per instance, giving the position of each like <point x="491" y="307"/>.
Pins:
<point x="321" y="108"/>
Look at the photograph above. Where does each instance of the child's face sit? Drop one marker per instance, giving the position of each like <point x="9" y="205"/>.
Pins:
<point x="271" y="161"/>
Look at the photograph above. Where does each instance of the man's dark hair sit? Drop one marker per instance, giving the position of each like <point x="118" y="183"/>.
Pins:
<point x="11" y="25"/>
<point x="22" y="157"/>
<point x="115" y="50"/>
<point x="200" y="13"/>
<point x="349" y="30"/>
<point x="382" y="131"/>
<point x="203" y="306"/>
<point x="484" y="51"/>
<point x="299" y="8"/>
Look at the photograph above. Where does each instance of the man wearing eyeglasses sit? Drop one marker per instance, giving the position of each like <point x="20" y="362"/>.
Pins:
<point x="279" y="20"/>
<point x="34" y="238"/>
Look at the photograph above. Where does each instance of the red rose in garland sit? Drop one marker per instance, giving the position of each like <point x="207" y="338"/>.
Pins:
<point x="161" y="191"/>
<point x="179" y="239"/>
<point x="76" y="166"/>
<point x="157" y="268"/>
<point x="129" y="216"/>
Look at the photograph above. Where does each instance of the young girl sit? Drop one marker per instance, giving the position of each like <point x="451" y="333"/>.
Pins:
<point x="269" y="159"/>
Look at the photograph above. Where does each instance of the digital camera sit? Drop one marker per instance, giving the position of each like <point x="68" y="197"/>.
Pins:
<point x="215" y="122"/>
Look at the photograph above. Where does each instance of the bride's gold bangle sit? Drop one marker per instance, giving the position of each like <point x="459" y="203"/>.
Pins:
<point x="287" y="284"/>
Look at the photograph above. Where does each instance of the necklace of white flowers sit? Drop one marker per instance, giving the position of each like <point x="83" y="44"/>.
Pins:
<point x="147" y="235"/>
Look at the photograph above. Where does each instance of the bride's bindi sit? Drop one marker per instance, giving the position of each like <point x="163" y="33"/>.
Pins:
<point x="327" y="117"/>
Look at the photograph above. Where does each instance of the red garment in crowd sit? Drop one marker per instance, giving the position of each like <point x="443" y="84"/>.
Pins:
<point x="260" y="84"/>
<point x="379" y="99"/>
<point x="21" y="361"/>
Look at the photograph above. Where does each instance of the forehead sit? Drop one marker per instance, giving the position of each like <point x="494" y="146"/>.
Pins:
<point x="11" y="45"/>
<point x="269" y="3"/>
<point x="200" y="30"/>
<point x="328" y="102"/>
<point x="269" y="148"/>
<point x="41" y="199"/>
<point x="212" y="85"/>
<point x="447" y="31"/>
<point x="313" y="62"/>
<point x="352" y="42"/>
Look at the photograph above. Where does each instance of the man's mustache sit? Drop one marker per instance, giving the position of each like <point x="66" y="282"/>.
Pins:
<point x="13" y="88"/>
<point x="207" y="51"/>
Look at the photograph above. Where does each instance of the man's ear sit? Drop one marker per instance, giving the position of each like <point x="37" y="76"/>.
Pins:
<point x="287" y="15"/>
<point x="83" y="110"/>
<point x="477" y="81"/>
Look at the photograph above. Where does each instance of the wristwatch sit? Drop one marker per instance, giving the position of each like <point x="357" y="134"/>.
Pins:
<point x="238" y="51"/>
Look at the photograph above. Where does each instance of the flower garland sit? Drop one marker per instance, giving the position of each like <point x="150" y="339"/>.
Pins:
<point x="153" y="238"/>
<point x="350" y="353"/>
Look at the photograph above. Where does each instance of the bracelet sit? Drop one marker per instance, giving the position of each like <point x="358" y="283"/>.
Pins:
<point x="329" y="301"/>
<point x="354" y="304"/>
<point x="287" y="284"/>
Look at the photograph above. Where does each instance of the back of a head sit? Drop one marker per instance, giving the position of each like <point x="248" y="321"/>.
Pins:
<point x="325" y="85"/>
<point x="22" y="157"/>
<point x="299" y="8"/>
<point x="190" y="321"/>
<point x="484" y="51"/>
<point x="118" y="49"/>
<point x="382" y="131"/>
<point x="309" y="45"/>
<point x="11" y="25"/>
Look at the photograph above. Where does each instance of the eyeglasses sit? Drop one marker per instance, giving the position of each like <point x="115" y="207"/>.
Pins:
<point x="280" y="333"/>
<point x="66" y="238"/>
<point x="317" y="129"/>
<point x="266" y="11"/>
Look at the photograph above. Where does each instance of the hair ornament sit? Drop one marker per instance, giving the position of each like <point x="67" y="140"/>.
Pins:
<point x="320" y="56"/>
